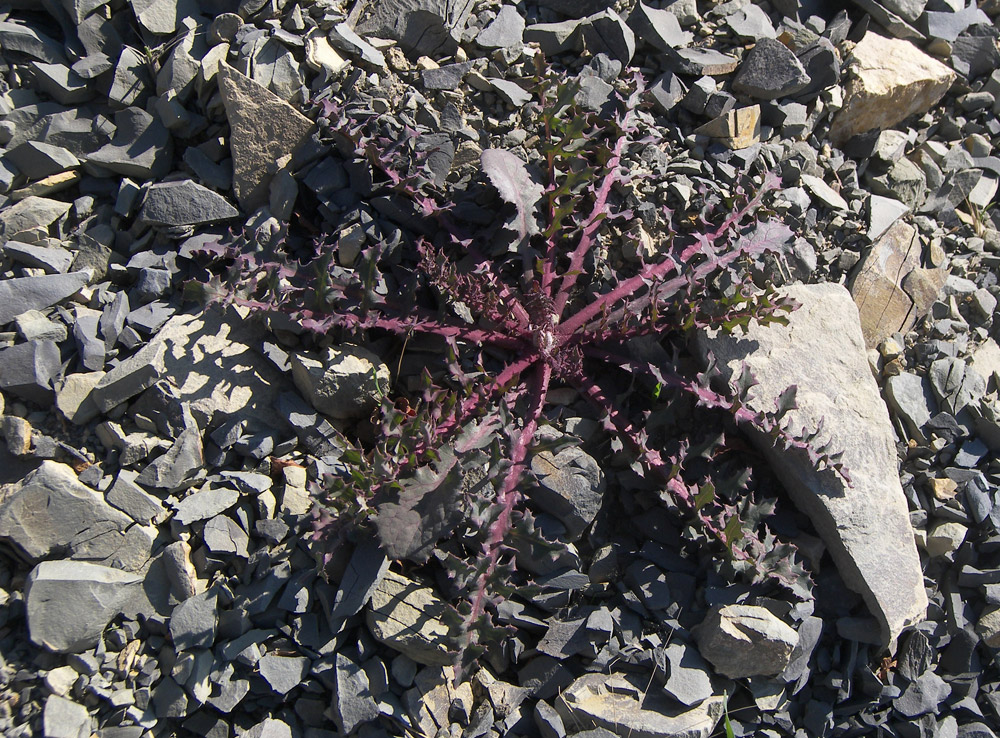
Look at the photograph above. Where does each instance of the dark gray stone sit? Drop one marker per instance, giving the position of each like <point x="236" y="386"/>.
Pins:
<point x="53" y="259"/>
<point x="506" y="30"/>
<point x="658" y="28"/>
<point x="548" y="722"/>
<point x="130" y="377"/>
<point x="22" y="38"/>
<point x="223" y="535"/>
<point x="698" y="62"/>
<point x="607" y="32"/>
<point x="205" y="504"/>
<point x="511" y="92"/>
<point x="922" y="696"/>
<point x="974" y="55"/>
<point x="447" y="77"/>
<point x="574" y="8"/>
<point x="689" y="678"/>
<point x="193" y="622"/>
<point x="21" y="294"/>
<point x="64" y="718"/>
<point x="571" y="487"/>
<point x="431" y="27"/>
<point x="131" y="84"/>
<point x="141" y="146"/>
<point x="169" y="699"/>
<point x="956" y="385"/>
<point x="37" y="160"/>
<point x="911" y="398"/>
<point x="365" y="570"/>
<point x="649" y="582"/>
<point x="89" y="347"/>
<point x="27" y="369"/>
<point x="182" y="462"/>
<point x="751" y="23"/>
<point x="553" y="38"/>
<point x="112" y="321"/>
<point x="130" y="498"/>
<point x="949" y="26"/>
<point x="283" y="673"/>
<point x="666" y="91"/>
<point x="769" y="71"/>
<point x="915" y="656"/>
<point x="184" y="203"/>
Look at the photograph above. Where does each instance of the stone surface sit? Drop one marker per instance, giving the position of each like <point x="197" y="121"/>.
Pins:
<point x="744" y="641"/>
<point x="93" y="594"/>
<point x="865" y="524"/>
<point x="770" y="70"/>
<point x="623" y="704"/>
<point x="193" y="622"/>
<point x="890" y="80"/>
<point x="736" y="129"/>
<point x="141" y="146"/>
<point x="184" y="203"/>
<point x="345" y="383"/>
<point x="28" y="214"/>
<point x="353" y="702"/>
<point x="689" y="680"/>
<point x="264" y="127"/>
<point x="64" y="718"/>
<point x="571" y="487"/>
<point x="912" y="400"/>
<point x="408" y="618"/>
<point x="431" y="27"/>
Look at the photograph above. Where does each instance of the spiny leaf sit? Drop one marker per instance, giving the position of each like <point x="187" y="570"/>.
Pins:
<point x="511" y="178"/>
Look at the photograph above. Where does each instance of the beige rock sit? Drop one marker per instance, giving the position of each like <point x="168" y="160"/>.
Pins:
<point x="943" y="489"/>
<point x="75" y="397"/>
<point x="409" y="618"/>
<point x="434" y="695"/>
<point x="345" y="382"/>
<point x="736" y="129"/>
<point x="986" y="362"/>
<point x="945" y="538"/>
<point x="264" y="128"/>
<point x="47" y="185"/>
<point x="16" y="433"/>
<point x="889" y="80"/>
<point x="745" y="641"/>
<point x="866" y="524"/>
<point x="626" y="705"/>
<point x="320" y="56"/>
<point x="988" y="627"/>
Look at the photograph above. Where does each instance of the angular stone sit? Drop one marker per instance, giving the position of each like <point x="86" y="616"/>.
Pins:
<point x="27" y="370"/>
<point x="824" y="192"/>
<point x="64" y="718"/>
<point x="865" y="524"/>
<point x="511" y="92"/>
<point x="911" y="399"/>
<point x="27" y="215"/>
<point x="284" y="673"/>
<point x="268" y="728"/>
<point x="624" y="704"/>
<point x="922" y="696"/>
<point x="882" y="213"/>
<point x="606" y="32"/>
<point x="275" y="68"/>
<point x="689" y="680"/>
<point x="194" y="621"/>
<point x="205" y="504"/>
<point x="93" y="594"/>
<point x="736" y="129"/>
<point x="38" y="160"/>
<point x="409" y="618"/>
<point x="21" y="294"/>
<point x="955" y="384"/>
<point x="422" y="27"/>
<point x="136" y="373"/>
<point x="346" y="383"/>
<point x="890" y="80"/>
<point x="658" y="28"/>
<point x="184" y="202"/>
<point x="744" y="641"/>
<point x="699" y="62"/>
<point x="224" y="535"/>
<point x="264" y="128"/>
<point x="553" y="38"/>
<point x="141" y="147"/>
<point x="353" y="702"/>
<point x="571" y="487"/>
<point x="506" y="30"/>
<point x="770" y="70"/>
<point x="131" y="499"/>
<point x="131" y="83"/>
<point x="24" y="39"/>
<point x="163" y="16"/>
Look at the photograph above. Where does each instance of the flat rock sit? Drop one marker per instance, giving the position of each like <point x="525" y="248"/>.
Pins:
<point x="624" y="705"/>
<point x="130" y="377"/>
<point x="184" y="203"/>
<point x="422" y="27"/>
<point x="689" y="680"/>
<point x="744" y="641"/>
<point x="890" y="80"/>
<point x="345" y="383"/>
<point x="736" y="129"/>
<point x="29" y="214"/>
<point x="912" y="399"/>
<point x="141" y="147"/>
<point x="28" y="369"/>
<point x="824" y="192"/>
<point x="264" y="128"/>
<point x="353" y="703"/>
<point x="205" y="504"/>
<point x="24" y="39"/>
<point x="409" y="618"/>
<point x="193" y="622"/>
<point x="64" y="718"/>
<point x="865" y="524"/>
<point x="93" y="594"/>
<point x="506" y="30"/>
<point x="163" y="16"/>
<point x="658" y="28"/>
<point x="606" y="32"/>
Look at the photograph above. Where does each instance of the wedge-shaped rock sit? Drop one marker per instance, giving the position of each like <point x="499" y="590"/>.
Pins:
<point x="69" y="603"/>
<point x="625" y="705"/>
<point x="890" y="80"/>
<point x="264" y="129"/>
<point x="865" y="524"/>
<point x="184" y="203"/>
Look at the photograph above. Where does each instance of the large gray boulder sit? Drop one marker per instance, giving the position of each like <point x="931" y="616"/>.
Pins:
<point x="70" y="603"/>
<point x="865" y="523"/>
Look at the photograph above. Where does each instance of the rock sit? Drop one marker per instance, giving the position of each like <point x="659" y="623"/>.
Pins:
<point x="511" y="92"/>
<point x="885" y="305"/>
<point x="268" y="728"/>
<point x="751" y="23"/>
<point x="988" y="627"/>
<point x="131" y="499"/>
<point x="866" y="524"/>
<point x="744" y="640"/>
<point x="422" y="27"/>
<point x="177" y="468"/>
<point x="911" y="399"/>
<point x="689" y="680"/>
<point x="409" y="618"/>
<point x="770" y="70"/>
<point x="447" y="77"/>
<point x="346" y="384"/>
<point x="193" y="622"/>
<point x="93" y="594"/>
<point x="224" y="535"/>
<point x="16" y="433"/>
<point x="606" y="32"/>
<point x="21" y="294"/>
<point x="130" y="377"/>
<point x="284" y="673"/>
<point x="574" y="8"/>
<point x="27" y="370"/>
<point x="353" y="702"/>
<point x="955" y="384"/>
<point x="27" y="215"/>
<point x="141" y="147"/>
<point x="163" y="16"/>
<point x="264" y="128"/>
<point x="180" y="571"/>
<point x="184" y="202"/>
<point x="824" y="192"/>
<point x="205" y="504"/>
<point x="346" y="39"/>
<point x="945" y="538"/>
<point x="50" y="512"/>
<point x="23" y="39"/>
<point x="890" y="80"/>
<point x="275" y="68"/>
<point x="571" y="487"/>
<point x="505" y="31"/>
<point x="321" y="57"/>
<point x="623" y="704"/>
<point x="64" y="718"/>
<point x="922" y="696"/>
<point x="904" y="181"/>
<point x="553" y="38"/>
<point x="699" y="62"/>
<point x="736" y="129"/>
<point x="882" y="213"/>
<point x="131" y="84"/>
<point x="38" y="160"/>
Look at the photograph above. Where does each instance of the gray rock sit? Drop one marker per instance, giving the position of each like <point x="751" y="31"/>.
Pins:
<point x="169" y="699"/>
<point x="698" y="62"/>
<point x="38" y="160"/>
<point x="346" y="383"/>
<point x="163" y="16"/>
<point x="574" y="8"/>
<point x="882" y="213"/>
<point x="688" y="679"/>
<point x="553" y="38"/>
<point x="141" y="147"/>
<point x="667" y="90"/>
<point x="571" y="487"/>
<point x="50" y="512"/>
<point x="824" y="192"/>
<point x="27" y="369"/>
<point x="34" y="326"/>
<point x="284" y="673"/>
<point x="975" y="55"/>
<point x="184" y="202"/>
<point x="745" y="640"/>
<point x="74" y="397"/>
<point x="21" y="294"/>
<point x="915" y="656"/>
<point x="112" y="321"/>
<point x="193" y="622"/>
<point x="53" y="259"/>
<point x="224" y="535"/>
<point x="623" y="704"/>
<point x="512" y="93"/>
<point x="131" y="84"/>
<point x="89" y="347"/>
<point x="908" y="10"/>
<point x="130" y="377"/>
<point x="27" y="215"/>
<point x="448" y="77"/>
<point x="770" y="70"/>
<point x="658" y="28"/>
<point x="422" y="27"/>
<point x="911" y="398"/>
<point x="365" y="571"/>
<point x="93" y="594"/>
<point x="905" y="181"/>
<point x="548" y="722"/>
<point x="275" y="68"/>
<point x="751" y="23"/>
<point x="922" y="696"/>
<point x="865" y="524"/>
<point x="205" y="504"/>
<point x="409" y="618"/>
<point x="955" y="384"/>
<point x="24" y="39"/>
<point x="131" y="499"/>
<point x="353" y="703"/>
<point x="64" y="718"/>
<point x="949" y="26"/>
<point x="269" y="728"/>
<point x="344" y="37"/>
<point x="606" y="32"/>
<point x="506" y="30"/>
<point x="264" y="128"/>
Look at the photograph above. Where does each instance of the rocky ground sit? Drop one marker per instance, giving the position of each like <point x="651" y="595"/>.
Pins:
<point x="157" y="576"/>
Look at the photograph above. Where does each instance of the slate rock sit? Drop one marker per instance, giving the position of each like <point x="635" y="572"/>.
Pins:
<point x="553" y="38"/>
<point x="184" y="202"/>
<point x="269" y="728"/>
<point x="751" y="23"/>
<point x="93" y="594"/>
<point x="571" y="487"/>
<point x="283" y="673"/>
<point x="205" y="504"/>
<point x="890" y="80"/>
<point x="447" y="77"/>
<point x="64" y="718"/>
<point x="922" y="696"/>
<point x="824" y="192"/>
<point x="24" y="39"/>
<point x="975" y="54"/>
<point x="658" y="28"/>
<point x="504" y="31"/>
<point x="27" y="215"/>
<point x="27" y="369"/>
<point x="182" y="462"/>
<point x="955" y="384"/>
<point x="745" y="640"/>
<point x="223" y="535"/>
<point x="911" y="398"/>
<point x="193" y="623"/>
<point x="689" y="680"/>
<point x="574" y="8"/>
<point x="37" y="160"/>
<point x="866" y="525"/>
<point x="353" y="702"/>
<point x="511" y="92"/>
<point x="264" y="128"/>
<point x="409" y="618"/>
<point x="131" y="84"/>
<point x="548" y="722"/>
<point x="735" y="129"/>
<point x="365" y="571"/>
<point x="135" y="502"/>
<point x="882" y="213"/>
<point x="345" y="383"/>
<point x="163" y="17"/>
<point x="770" y="70"/>
<point x="622" y="704"/>
<point x="667" y="90"/>
<point x="141" y="146"/>
<point x="699" y="62"/>
<point x="422" y="27"/>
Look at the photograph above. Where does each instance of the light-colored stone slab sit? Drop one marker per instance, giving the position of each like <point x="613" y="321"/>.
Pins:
<point x="865" y="525"/>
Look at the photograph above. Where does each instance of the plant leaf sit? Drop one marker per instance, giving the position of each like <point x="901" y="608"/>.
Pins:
<point x="510" y="176"/>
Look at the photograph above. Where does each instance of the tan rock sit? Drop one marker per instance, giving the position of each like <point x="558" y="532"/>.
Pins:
<point x="889" y="80"/>
<point x="410" y="618"/>
<point x="264" y="128"/>
<point x="75" y="398"/>
<point x="988" y="627"/>
<point x="943" y="489"/>
<point x="945" y="538"/>
<point x="736" y="129"/>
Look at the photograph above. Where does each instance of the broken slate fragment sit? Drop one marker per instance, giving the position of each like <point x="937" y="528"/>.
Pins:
<point x="689" y="680"/>
<point x="141" y="146"/>
<point x="745" y="640"/>
<point x="409" y="618"/>
<point x="606" y="32"/>
<point x="911" y="398"/>
<point x="736" y="129"/>
<point x="571" y="487"/>
<point x="27" y="215"/>
<point x="658" y="28"/>
<point x="135" y="502"/>
<point x="27" y="370"/>
<point x="38" y="160"/>
<point x="194" y="621"/>
<point x="21" y="294"/>
<point x="130" y="377"/>
<point x="427" y="27"/>
<point x="283" y="673"/>
<point x="205" y="504"/>
<point x="769" y="71"/>
<point x="504" y="31"/>
<point x="184" y="203"/>
<point x="511" y="92"/>
<point x="64" y="718"/>
<point x="24" y="39"/>
<point x="223" y="535"/>
<point x="93" y="594"/>
<point x="353" y="702"/>
<point x="366" y="569"/>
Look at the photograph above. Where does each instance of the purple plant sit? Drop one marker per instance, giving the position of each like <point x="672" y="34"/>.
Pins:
<point x="522" y="308"/>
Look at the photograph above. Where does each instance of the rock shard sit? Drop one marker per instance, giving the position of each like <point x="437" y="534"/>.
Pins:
<point x="865" y="524"/>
